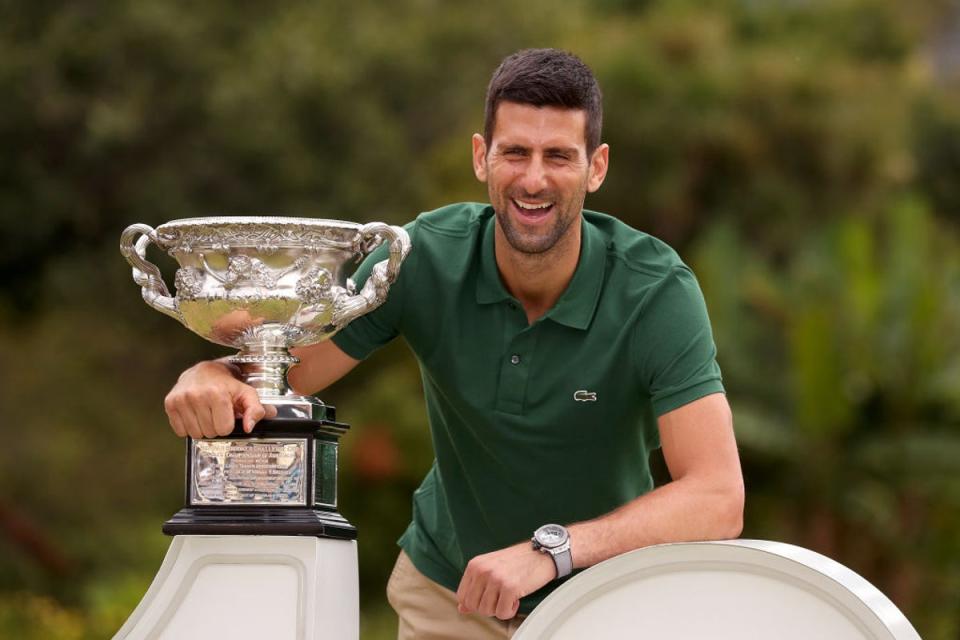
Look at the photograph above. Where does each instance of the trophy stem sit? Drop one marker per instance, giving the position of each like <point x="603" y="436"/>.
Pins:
<point x="264" y="367"/>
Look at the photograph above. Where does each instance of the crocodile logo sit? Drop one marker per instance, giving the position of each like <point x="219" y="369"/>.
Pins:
<point x="583" y="395"/>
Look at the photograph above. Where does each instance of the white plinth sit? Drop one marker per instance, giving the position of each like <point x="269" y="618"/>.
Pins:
<point x="251" y="587"/>
<point x="729" y="590"/>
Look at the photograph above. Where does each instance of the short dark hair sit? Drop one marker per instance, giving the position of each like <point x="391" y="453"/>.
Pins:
<point x="546" y="78"/>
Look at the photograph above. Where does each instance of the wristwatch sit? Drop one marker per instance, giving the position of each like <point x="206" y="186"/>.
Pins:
<point x="554" y="539"/>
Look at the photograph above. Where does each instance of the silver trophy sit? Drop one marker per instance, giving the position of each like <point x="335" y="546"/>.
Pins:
<point x="263" y="285"/>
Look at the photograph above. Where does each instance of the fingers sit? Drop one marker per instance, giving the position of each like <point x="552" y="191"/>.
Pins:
<point x="176" y="422"/>
<point x="249" y="406"/>
<point x="465" y="598"/>
<point x="182" y="420"/>
<point x="488" y="600"/>
<point x="206" y="400"/>
<point x="507" y="606"/>
<point x="201" y="409"/>
<point x="494" y="582"/>
<point x="460" y="593"/>
<point x="221" y="413"/>
<point x="488" y="592"/>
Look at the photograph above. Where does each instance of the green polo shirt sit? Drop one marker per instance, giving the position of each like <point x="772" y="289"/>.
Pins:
<point x="535" y="423"/>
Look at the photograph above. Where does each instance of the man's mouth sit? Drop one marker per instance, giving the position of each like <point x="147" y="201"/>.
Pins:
<point x="532" y="210"/>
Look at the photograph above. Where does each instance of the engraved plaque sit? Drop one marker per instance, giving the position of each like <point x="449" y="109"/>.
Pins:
<point x="248" y="471"/>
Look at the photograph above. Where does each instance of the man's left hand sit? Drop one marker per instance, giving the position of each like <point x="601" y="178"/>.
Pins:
<point x="494" y="582"/>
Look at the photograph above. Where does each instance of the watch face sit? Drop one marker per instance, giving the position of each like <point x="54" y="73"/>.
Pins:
<point x="551" y="535"/>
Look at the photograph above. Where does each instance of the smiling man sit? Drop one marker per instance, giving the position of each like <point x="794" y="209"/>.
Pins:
<point x="558" y="348"/>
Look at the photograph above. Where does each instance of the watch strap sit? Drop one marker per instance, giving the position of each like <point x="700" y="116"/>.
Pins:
<point x="563" y="559"/>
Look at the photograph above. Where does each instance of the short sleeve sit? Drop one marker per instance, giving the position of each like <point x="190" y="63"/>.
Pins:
<point x="369" y="332"/>
<point x="676" y="355"/>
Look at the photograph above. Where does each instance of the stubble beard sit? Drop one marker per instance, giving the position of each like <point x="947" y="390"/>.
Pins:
<point x="531" y="244"/>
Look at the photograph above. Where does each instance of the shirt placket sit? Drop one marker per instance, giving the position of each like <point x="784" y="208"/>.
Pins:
<point x="515" y="360"/>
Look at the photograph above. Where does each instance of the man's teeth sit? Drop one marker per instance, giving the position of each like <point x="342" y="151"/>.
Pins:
<point x="531" y="207"/>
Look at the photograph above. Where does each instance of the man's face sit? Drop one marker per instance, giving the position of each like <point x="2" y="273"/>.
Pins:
<point x="537" y="172"/>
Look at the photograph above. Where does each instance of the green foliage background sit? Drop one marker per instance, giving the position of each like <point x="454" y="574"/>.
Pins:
<point x="803" y="156"/>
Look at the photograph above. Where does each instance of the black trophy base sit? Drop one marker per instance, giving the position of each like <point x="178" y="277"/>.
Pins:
<point x="258" y="521"/>
<point x="255" y="519"/>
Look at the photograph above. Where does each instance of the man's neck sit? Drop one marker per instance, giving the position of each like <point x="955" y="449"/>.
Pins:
<point x="538" y="280"/>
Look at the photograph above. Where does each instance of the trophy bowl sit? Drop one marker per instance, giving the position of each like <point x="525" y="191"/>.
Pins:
<point x="265" y="284"/>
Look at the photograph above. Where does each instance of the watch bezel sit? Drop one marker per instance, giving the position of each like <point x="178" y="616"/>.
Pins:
<point x="552" y="529"/>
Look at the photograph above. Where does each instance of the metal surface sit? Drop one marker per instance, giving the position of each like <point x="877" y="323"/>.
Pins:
<point x="263" y="285"/>
<point x="249" y="471"/>
<point x="720" y="590"/>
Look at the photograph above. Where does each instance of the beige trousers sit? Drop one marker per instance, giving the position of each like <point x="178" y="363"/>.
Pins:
<point x="428" y="611"/>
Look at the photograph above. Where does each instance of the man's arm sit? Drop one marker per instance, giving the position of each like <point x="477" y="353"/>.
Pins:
<point x="209" y="396"/>
<point x="320" y="366"/>
<point x="703" y="501"/>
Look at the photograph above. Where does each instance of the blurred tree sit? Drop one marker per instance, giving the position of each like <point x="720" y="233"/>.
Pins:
<point x="937" y="152"/>
<point x="849" y="431"/>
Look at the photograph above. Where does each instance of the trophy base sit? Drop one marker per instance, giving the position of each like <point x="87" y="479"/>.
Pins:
<point x="270" y="521"/>
<point x="231" y="481"/>
<point x="295" y="407"/>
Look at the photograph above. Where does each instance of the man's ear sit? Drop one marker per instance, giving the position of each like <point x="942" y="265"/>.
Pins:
<point x="479" y="157"/>
<point x="599" y="163"/>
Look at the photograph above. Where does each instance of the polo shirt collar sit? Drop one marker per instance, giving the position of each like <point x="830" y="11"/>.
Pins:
<point x="577" y="304"/>
<point x="490" y="287"/>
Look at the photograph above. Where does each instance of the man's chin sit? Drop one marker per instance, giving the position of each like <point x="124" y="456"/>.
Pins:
<point x="529" y="244"/>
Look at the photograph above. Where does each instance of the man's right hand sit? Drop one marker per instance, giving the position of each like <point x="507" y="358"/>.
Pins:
<point x="207" y="400"/>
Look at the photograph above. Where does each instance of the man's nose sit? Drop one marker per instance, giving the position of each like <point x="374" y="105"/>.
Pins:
<point x="534" y="178"/>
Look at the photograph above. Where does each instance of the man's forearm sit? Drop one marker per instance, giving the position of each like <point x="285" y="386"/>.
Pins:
<point x="321" y="365"/>
<point x="693" y="507"/>
<point x="684" y="510"/>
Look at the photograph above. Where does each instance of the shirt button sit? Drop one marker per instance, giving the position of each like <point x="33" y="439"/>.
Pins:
<point x="514" y="359"/>
<point x="512" y="306"/>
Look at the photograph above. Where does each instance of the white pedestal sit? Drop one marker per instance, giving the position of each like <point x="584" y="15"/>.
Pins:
<point x="251" y="587"/>
<point x="728" y="590"/>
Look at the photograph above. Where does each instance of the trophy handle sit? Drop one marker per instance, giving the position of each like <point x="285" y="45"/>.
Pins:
<point x="145" y="273"/>
<point x="374" y="291"/>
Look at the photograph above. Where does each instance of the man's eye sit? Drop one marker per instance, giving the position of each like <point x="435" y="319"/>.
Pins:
<point x="562" y="157"/>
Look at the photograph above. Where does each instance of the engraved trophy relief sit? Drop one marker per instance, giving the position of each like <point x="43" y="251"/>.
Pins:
<point x="263" y="285"/>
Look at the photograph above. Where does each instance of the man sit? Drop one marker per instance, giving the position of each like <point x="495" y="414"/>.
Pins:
<point x="558" y="347"/>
